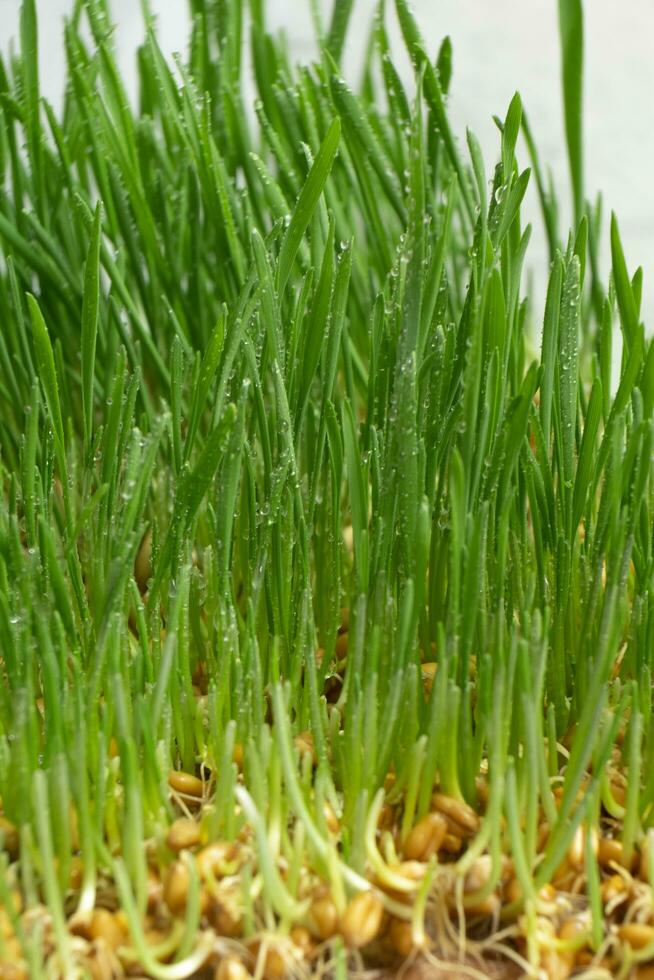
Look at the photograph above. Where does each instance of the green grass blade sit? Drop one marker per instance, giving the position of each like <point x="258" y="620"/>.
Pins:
<point x="571" y="29"/>
<point x="338" y="28"/>
<point x="47" y="373"/>
<point x="307" y="203"/>
<point x="623" y="289"/>
<point x="90" y="312"/>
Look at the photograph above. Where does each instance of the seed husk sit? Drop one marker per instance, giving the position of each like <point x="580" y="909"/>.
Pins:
<point x="612" y="887"/>
<point x="413" y="870"/>
<point x="577" y="849"/>
<point x="231" y="968"/>
<point x="457" y="810"/>
<point x="386" y="819"/>
<point x="455" y="828"/>
<point x="555" y="966"/>
<point x="106" y="926"/>
<point x="224" y="919"/>
<point x="618" y="793"/>
<point x="547" y="893"/>
<point x="156" y="937"/>
<point x="100" y="924"/>
<point x="175" y="887"/>
<point x="610" y="851"/>
<point x="638" y="935"/>
<point x="362" y="920"/>
<point x="274" y="964"/>
<point x="573" y="927"/>
<point x="303" y="939"/>
<point x="586" y="957"/>
<point x="488" y="907"/>
<point x="274" y="967"/>
<point x="216" y="859"/>
<point x="186" y="784"/>
<point x="426" y="838"/>
<point x="400" y="935"/>
<point x="324" y="916"/>
<point x="183" y="833"/>
<point x="479" y="874"/>
<point x="452" y="843"/>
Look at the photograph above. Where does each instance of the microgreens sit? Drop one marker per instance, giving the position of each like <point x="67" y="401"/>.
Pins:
<point x="303" y="496"/>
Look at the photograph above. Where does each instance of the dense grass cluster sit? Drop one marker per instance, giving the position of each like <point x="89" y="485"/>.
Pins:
<point x="326" y="612"/>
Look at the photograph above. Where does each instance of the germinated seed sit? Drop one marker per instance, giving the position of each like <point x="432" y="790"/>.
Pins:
<point x="638" y="935"/>
<point x="186" y="784"/>
<point x="457" y="810"/>
<point x="183" y="833"/>
<point x="426" y="837"/>
<point x="324" y="915"/>
<point x="362" y="920"/>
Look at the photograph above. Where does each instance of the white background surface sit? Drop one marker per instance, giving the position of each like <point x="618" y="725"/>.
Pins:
<point x="499" y="46"/>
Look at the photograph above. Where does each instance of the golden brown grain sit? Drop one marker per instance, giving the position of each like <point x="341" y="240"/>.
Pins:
<point x="362" y="919"/>
<point x="183" y="833"/>
<point x="186" y="784"/>
<point x="457" y="810"/>
<point x="426" y="838"/>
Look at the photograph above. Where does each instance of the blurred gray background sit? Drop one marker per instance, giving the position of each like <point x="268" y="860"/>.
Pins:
<point x="499" y="46"/>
